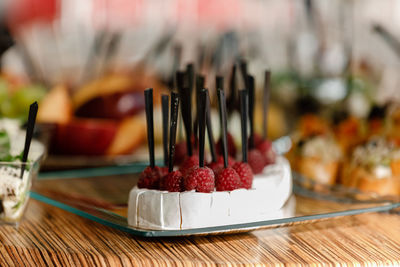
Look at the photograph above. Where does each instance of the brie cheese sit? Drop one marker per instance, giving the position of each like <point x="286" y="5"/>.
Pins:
<point x="161" y="210"/>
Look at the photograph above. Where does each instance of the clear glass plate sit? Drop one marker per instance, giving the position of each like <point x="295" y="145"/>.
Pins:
<point x="101" y="195"/>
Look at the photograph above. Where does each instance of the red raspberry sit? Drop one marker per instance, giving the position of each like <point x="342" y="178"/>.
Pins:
<point x="181" y="151"/>
<point x="227" y="180"/>
<point x="231" y="161"/>
<point x="150" y="178"/>
<point x="200" y="179"/>
<point x="245" y="173"/>
<point x="173" y="182"/>
<point x="257" y="139"/>
<point x="265" y="147"/>
<point x="190" y="162"/>
<point x="215" y="167"/>
<point x="163" y="171"/>
<point x="231" y="146"/>
<point x="256" y="161"/>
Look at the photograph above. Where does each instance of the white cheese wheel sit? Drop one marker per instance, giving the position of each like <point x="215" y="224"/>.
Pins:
<point x="161" y="210"/>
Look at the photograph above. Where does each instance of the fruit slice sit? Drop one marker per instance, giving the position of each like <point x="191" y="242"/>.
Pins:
<point x="106" y="85"/>
<point x="84" y="137"/>
<point x="116" y="83"/>
<point x="112" y="106"/>
<point x="131" y="133"/>
<point x="56" y="107"/>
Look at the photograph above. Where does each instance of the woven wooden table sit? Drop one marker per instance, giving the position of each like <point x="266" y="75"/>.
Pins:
<point x="51" y="236"/>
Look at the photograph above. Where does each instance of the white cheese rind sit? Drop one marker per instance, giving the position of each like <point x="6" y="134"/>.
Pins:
<point x="161" y="210"/>
<point x="171" y="210"/>
<point x="220" y="208"/>
<point x="195" y="210"/>
<point x="150" y="210"/>
<point x="133" y="206"/>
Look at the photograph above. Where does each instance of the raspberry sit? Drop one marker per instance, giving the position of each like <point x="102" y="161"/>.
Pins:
<point x="256" y="161"/>
<point x="231" y="161"/>
<point x="215" y="167"/>
<point x="181" y="151"/>
<point x="231" y="146"/>
<point x="150" y="178"/>
<point x="163" y="171"/>
<point x="173" y="182"/>
<point x="257" y="139"/>
<point x="265" y="147"/>
<point x="189" y="163"/>
<point x="200" y="179"/>
<point x="227" y="180"/>
<point x="245" y="173"/>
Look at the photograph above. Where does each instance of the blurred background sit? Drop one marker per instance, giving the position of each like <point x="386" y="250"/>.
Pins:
<point x="88" y="62"/>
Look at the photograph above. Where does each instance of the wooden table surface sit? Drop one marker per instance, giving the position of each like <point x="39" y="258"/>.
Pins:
<point x="50" y="236"/>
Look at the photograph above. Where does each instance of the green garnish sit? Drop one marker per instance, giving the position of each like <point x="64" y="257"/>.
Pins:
<point x="16" y="206"/>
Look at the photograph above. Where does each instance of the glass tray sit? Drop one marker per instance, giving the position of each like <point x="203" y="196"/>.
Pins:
<point x="100" y="194"/>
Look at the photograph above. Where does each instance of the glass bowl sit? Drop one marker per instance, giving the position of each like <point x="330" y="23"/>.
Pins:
<point x="16" y="184"/>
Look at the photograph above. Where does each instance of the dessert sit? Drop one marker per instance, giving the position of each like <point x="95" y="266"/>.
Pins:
<point x="198" y="200"/>
<point x="162" y="210"/>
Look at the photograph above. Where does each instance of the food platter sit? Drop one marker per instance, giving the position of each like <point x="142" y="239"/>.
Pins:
<point x="100" y="195"/>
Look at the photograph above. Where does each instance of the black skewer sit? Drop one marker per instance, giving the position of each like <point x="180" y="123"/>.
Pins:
<point x="243" y="70"/>
<point x="231" y="101"/>
<point x="202" y="125"/>
<point x="186" y="108"/>
<point x="190" y="76"/>
<point x="209" y="129"/>
<point x="148" y="95"/>
<point x="200" y="83"/>
<point x="219" y="82"/>
<point x="224" y="126"/>
<point x="251" y="94"/>
<point x="266" y="95"/>
<point x="165" y="113"/>
<point x="244" y="109"/>
<point x="172" y="133"/>
<point x="33" y="109"/>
